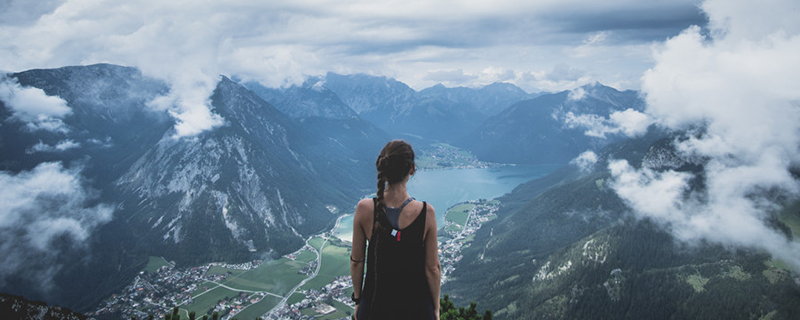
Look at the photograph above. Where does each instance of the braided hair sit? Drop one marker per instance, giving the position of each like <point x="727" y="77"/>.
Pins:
<point x="394" y="163"/>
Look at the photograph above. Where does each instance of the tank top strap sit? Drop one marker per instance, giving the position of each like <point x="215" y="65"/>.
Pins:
<point x="400" y="208"/>
<point x="393" y="214"/>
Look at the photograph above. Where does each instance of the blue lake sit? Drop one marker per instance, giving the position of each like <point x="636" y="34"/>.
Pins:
<point x="446" y="188"/>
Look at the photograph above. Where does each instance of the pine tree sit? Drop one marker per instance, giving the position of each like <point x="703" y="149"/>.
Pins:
<point x="448" y="311"/>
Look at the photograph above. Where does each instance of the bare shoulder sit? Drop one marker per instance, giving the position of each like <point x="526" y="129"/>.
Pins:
<point x="431" y="210"/>
<point x="365" y="204"/>
<point x="364" y="207"/>
<point x="431" y="215"/>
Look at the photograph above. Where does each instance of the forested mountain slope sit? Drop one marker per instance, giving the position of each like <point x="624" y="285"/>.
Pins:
<point x="566" y="246"/>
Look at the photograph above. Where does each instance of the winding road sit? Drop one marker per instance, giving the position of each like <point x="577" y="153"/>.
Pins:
<point x="312" y="276"/>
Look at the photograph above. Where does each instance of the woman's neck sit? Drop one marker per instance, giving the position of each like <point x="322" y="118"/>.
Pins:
<point x="395" y="194"/>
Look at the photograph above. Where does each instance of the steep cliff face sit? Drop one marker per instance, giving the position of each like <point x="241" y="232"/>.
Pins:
<point x="230" y="191"/>
<point x="254" y="186"/>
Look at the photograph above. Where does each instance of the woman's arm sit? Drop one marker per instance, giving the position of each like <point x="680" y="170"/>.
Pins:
<point x="363" y="213"/>
<point x="433" y="270"/>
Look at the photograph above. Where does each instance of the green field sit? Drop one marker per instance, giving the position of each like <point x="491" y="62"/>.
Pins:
<point x="155" y="263"/>
<point x="295" y="298"/>
<point x="220" y="270"/>
<point x="459" y="213"/>
<point x="202" y="303"/>
<point x="203" y="288"/>
<point x="335" y="262"/>
<point x="306" y="256"/>
<point x="316" y="242"/>
<point x="277" y="276"/>
<point x="259" y="308"/>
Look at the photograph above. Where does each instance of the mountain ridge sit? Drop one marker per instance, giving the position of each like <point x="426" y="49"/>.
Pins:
<point x="254" y="187"/>
<point x="545" y="130"/>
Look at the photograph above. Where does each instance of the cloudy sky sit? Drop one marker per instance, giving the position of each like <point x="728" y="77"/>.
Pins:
<point x="538" y="45"/>
<point x="727" y="68"/>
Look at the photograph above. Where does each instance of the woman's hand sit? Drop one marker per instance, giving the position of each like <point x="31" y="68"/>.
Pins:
<point x="355" y="314"/>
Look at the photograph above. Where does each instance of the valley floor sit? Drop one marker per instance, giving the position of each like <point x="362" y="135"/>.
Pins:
<point x="311" y="282"/>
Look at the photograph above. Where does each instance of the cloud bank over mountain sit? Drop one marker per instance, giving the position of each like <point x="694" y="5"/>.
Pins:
<point x="736" y="88"/>
<point x="32" y="106"/>
<point x="44" y="213"/>
<point x="538" y="45"/>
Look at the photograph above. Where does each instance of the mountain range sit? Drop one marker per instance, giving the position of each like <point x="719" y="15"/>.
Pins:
<point x="105" y="183"/>
<point x="540" y="130"/>
<point x="255" y="187"/>
<point x="434" y="114"/>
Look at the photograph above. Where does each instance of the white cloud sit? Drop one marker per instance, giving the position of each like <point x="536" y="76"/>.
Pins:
<point x="585" y="161"/>
<point x="34" y="107"/>
<point x="282" y="42"/>
<point x="740" y="88"/>
<point x="595" y="125"/>
<point x="37" y="208"/>
<point x="632" y="184"/>
<point x="629" y="122"/>
<point x="576" y="94"/>
<point x="61" y="146"/>
<point x="561" y="77"/>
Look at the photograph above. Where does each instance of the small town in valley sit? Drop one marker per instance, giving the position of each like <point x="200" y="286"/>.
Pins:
<point x="461" y="223"/>
<point x="319" y="272"/>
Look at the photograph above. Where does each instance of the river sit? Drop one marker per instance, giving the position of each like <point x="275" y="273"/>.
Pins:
<point x="445" y="188"/>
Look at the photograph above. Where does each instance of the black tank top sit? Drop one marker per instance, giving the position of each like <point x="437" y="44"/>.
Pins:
<point x="396" y="286"/>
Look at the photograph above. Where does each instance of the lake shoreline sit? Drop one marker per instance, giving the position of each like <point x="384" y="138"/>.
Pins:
<point x="446" y="188"/>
